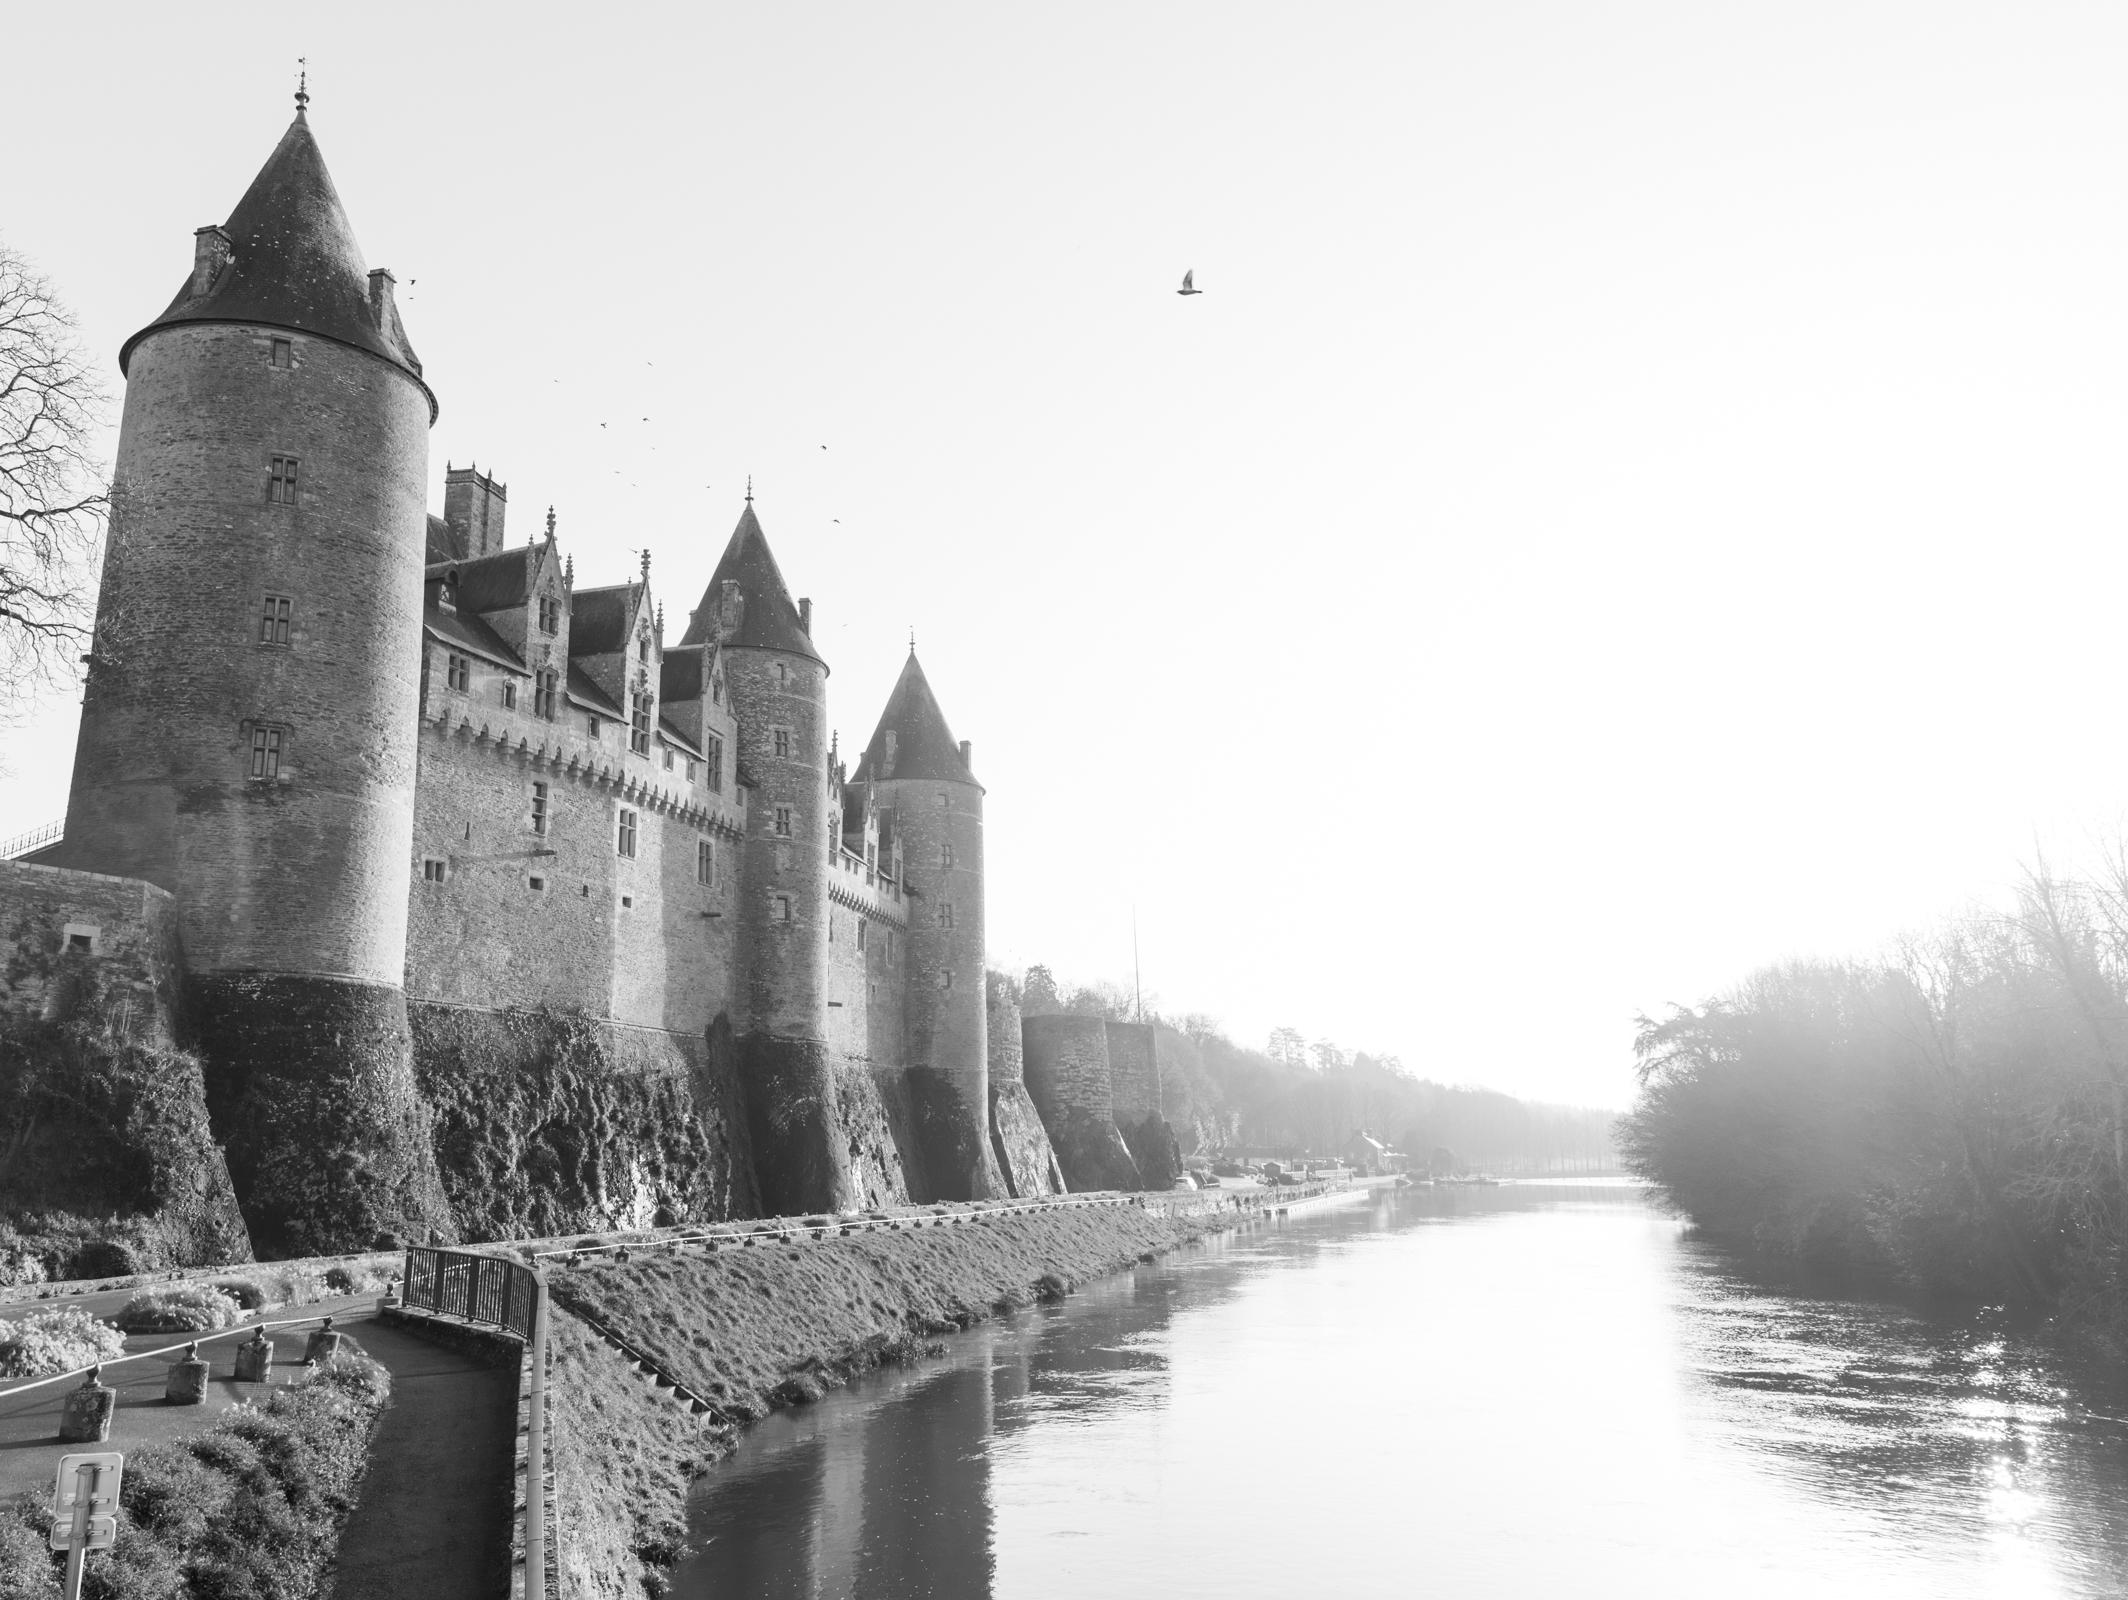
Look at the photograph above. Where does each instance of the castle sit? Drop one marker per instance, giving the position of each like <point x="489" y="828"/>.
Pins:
<point x="468" y="887"/>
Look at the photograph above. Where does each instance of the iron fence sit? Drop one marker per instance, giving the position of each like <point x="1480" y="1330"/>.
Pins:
<point x="490" y="1289"/>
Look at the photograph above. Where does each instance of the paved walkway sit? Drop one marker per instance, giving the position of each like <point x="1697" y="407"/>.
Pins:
<point x="433" y="1519"/>
<point x="433" y="1522"/>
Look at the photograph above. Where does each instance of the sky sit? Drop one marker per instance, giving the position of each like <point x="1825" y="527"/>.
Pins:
<point x="1638" y="498"/>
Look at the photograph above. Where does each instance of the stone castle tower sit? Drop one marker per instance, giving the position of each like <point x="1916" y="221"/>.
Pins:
<point x="924" y="778"/>
<point x="248" y="728"/>
<point x="778" y="685"/>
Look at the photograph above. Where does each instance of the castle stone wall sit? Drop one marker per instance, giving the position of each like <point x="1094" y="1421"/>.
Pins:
<point x="1133" y="1070"/>
<point x="1024" y="1156"/>
<point x="867" y="967"/>
<point x="1065" y="1058"/>
<point x="1134" y="1084"/>
<point x="638" y="940"/>
<point x="132" y="962"/>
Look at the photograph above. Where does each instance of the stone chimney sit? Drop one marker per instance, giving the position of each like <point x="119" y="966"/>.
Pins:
<point x="731" y="610"/>
<point x="380" y="297"/>
<point x="805" y="617"/>
<point x="968" y="754"/>
<point x="473" y="505"/>
<point x="210" y="253"/>
<point x="886" y="767"/>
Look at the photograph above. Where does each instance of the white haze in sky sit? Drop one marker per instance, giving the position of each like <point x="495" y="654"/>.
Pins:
<point x="1639" y="496"/>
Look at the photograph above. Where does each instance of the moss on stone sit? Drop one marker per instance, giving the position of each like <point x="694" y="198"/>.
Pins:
<point x="311" y="1087"/>
<point x="107" y="1162"/>
<point x="548" y="1123"/>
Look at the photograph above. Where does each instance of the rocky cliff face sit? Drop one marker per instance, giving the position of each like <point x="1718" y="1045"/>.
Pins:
<point x="107" y="1163"/>
<point x="547" y="1124"/>
<point x="1023" y="1150"/>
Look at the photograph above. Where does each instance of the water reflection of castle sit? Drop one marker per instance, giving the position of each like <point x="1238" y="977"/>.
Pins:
<point x="889" y="1490"/>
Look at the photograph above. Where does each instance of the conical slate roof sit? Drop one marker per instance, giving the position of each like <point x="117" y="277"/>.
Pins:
<point x="770" y="620"/>
<point x="294" y="263"/>
<point x="924" y="746"/>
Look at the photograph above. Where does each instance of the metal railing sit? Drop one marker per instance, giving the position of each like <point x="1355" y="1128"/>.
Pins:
<point x="23" y="843"/>
<point x="457" y="1283"/>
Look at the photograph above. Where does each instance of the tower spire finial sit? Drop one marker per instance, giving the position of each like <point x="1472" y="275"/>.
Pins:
<point x="550" y="524"/>
<point x="646" y="563"/>
<point x="912" y="639"/>
<point x="749" y="488"/>
<point x="302" y="84"/>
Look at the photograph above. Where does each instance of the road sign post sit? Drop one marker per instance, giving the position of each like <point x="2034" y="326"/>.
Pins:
<point x="85" y="1509"/>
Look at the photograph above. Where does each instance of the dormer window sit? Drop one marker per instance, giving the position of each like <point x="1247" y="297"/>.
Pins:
<point x="639" y="725"/>
<point x="550" y="614"/>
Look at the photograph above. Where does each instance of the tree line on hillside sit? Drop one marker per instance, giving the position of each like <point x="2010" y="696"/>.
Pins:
<point x="1953" y="1116"/>
<point x="1294" y="1097"/>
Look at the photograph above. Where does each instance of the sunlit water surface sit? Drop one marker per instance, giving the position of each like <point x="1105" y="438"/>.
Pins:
<point x="1534" y="1390"/>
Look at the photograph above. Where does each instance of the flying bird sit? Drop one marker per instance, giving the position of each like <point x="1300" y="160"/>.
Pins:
<point x="1189" y="283"/>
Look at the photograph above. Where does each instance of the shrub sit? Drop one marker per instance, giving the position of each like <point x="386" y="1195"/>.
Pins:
<point x="244" y="1291"/>
<point x="104" y="1258"/>
<point x="342" y="1278"/>
<point x="56" y="1340"/>
<point x="183" y="1308"/>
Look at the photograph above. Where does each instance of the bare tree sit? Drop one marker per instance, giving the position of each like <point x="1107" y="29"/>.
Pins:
<point x="52" y="487"/>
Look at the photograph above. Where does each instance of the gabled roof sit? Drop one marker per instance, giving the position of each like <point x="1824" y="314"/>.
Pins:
<point x="466" y="632"/>
<point x="923" y="745"/>
<point x="683" y="673"/>
<point x="598" y="620"/>
<point x="589" y="695"/>
<point x="677" y="739"/>
<point x="769" y="620"/>
<point x="497" y="581"/>
<point x="294" y="263"/>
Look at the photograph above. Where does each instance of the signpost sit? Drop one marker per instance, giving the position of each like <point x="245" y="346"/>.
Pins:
<point x="85" y="1509"/>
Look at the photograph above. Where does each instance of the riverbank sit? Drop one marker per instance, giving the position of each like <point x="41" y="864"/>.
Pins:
<point x="729" y="1336"/>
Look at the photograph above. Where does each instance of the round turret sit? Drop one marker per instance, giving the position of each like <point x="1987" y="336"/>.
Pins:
<point x="778" y="689"/>
<point x="925" y="778"/>
<point x="247" y="734"/>
<point x="248" y="725"/>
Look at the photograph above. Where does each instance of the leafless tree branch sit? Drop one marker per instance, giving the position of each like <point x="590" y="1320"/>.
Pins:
<point x="53" y="500"/>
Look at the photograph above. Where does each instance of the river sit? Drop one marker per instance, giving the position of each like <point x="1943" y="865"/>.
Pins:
<point x="1538" y="1389"/>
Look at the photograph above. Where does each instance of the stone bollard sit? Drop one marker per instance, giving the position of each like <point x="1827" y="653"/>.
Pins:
<point x="85" y="1418"/>
<point x="188" y="1379"/>
<point x="322" y="1345"/>
<point x="254" y="1359"/>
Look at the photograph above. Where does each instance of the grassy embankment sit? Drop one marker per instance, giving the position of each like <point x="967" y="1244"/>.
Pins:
<point x="251" y="1507"/>
<point x="753" y="1329"/>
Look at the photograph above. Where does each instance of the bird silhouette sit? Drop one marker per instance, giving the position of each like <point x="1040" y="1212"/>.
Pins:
<point x="1189" y="284"/>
